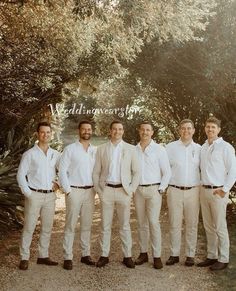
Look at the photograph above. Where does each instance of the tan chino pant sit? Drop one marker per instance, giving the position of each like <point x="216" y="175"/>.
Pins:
<point x="215" y="224"/>
<point x="112" y="198"/>
<point x="183" y="204"/>
<point x="79" y="204"/>
<point x="43" y="205"/>
<point x="148" y="206"/>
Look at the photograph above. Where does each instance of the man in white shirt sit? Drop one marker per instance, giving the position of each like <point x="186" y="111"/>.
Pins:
<point x="116" y="177"/>
<point x="36" y="177"/>
<point x="75" y="174"/>
<point x="154" y="178"/>
<point x="183" y="192"/>
<point x="218" y="175"/>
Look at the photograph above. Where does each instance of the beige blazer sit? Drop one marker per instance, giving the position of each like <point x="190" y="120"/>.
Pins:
<point x="129" y="168"/>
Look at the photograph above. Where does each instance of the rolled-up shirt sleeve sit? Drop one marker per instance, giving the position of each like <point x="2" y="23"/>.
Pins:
<point x="63" y="170"/>
<point x="165" y="170"/>
<point x="22" y="174"/>
<point x="230" y="164"/>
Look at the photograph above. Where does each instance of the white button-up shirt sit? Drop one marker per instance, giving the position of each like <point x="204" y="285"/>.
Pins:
<point x="218" y="164"/>
<point x="76" y="166"/>
<point x="37" y="169"/>
<point x="114" y="176"/>
<point x="154" y="165"/>
<point x="185" y="163"/>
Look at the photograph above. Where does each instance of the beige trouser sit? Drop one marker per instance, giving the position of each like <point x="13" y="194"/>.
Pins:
<point x="79" y="203"/>
<point x="183" y="204"/>
<point x="214" y="219"/>
<point x="111" y="198"/>
<point x="43" y="205"/>
<point x="148" y="206"/>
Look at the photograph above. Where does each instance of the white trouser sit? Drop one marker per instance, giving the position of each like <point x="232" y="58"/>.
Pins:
<point x="110" y="198"/>
<point x="214" y="219"/>
<point x="148" y="205"/>
<point x="183" y="204"/>
<point x="43" y="205"/>
<point x="79" y="204"/>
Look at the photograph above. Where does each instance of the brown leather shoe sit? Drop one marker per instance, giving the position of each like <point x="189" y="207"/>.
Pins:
<point x="207" y="262"/>
<point x="157" y="263"/>
<point x="128" y="262"/>
<point x="87" y="260"/>
<point x="23" y="264"/>
<point x="172" y="260"/>
<point x="143" y="258"/>
<point x="46" y="261"/>
<point x="102" y="262"/>
<point x="68" y="265"/>
<point x="218" y="266"/>
<point x="189" y="262"/>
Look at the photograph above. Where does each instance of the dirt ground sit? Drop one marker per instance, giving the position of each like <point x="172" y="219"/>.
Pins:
<point x="114" y="276"/>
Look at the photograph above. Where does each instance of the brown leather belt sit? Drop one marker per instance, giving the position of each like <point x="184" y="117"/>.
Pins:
<point x="114" y="185"/>
<point x="148" y="185"/>
<point x="41" y="190"/>
<point x="182" y="187"/>
<point x="82" y="187"/>
<point x="211" y="187"/>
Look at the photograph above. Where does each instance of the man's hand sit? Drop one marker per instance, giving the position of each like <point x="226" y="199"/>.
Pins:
<point x="55" y="186"/>
<point x="219" y="192"/>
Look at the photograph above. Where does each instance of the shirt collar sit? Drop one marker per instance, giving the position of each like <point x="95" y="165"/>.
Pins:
<point x="149" y="147"/>
<point x="216" y="141"/>
<point x="181" y="143"/>
<point x="119" y="145"/>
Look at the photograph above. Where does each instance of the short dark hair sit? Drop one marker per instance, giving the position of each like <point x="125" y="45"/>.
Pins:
<point x="43" y="123"/>
<point x="84" y="122"/>
<point x="214" y="120"/>
<point x="116" y="122"/>
<point x="186" y="121"/>
<point x="146" y="122"/>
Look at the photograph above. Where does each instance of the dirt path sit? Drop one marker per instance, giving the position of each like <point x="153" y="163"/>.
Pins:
<point x="115" y="276"/>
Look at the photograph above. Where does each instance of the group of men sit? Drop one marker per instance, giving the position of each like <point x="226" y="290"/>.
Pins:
<point x="190" y="174"/>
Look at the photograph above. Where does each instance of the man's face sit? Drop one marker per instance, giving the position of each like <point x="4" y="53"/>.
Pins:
<point x="212" y="130"/>
<point x="145" y="132"/>
<point x="85" y="131"/>
<point x="116" y="132"/>
<point x="44" y="134"/>
<point x="186" y="131"/>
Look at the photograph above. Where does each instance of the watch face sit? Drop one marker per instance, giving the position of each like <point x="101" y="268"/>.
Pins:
<point x="161" y="191"/>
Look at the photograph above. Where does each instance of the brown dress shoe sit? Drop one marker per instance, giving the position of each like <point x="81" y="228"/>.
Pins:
<point x="68" y="265"/>
<point x="172" y="260"/>
<point x="143" y="258"/>
<point x="46" y="261"/>
<point x="23" y="264"/>
<point x="157" y="263"/>
<point x="87" y="260"/>
<point x="102" y="262"/>
<point x="189" y="262"/>
<point x="207" y="262"/>
<point x="128" y="262"/>
<point x="218" y="266"/>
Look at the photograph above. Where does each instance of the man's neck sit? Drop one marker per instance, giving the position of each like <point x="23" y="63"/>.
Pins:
<point x="186" y="142"/>
<point x="145" y="143"/>
<point x="115" y="142"/>
<point x="44" y="147"/>
<point x="211" y="140"/>
<point x="85" y="143"/>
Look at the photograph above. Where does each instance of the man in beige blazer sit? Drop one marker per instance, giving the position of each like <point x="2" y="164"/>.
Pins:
<point x="116" y="177"/>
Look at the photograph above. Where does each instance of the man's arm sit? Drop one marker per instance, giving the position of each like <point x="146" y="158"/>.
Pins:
<point x="135" y="168"/>
<point x="165" y="170"/>
<point x="97" y="171"/>
<point x="22" y="173"/>
<point x="63" y="168"/>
